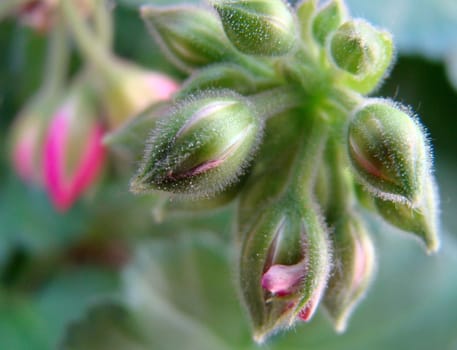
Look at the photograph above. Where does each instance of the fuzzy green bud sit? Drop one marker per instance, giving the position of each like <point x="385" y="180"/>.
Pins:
<point x="202" y="147"/>
<point x="328" y="19"/>
<point x="355" y="47"/>
<point x="192" y="37"/>
<point x="258" y="27"/>
<point x="422" y="220"/>
<point x="363" y="51"/>
<point x="388" y="151"/>
<point x="284" y="268"/>
<point x="352" y="272"/>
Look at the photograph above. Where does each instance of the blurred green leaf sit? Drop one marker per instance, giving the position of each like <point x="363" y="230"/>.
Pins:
<point x="37" y="321"/>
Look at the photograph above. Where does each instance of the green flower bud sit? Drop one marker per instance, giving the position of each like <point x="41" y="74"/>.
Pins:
<point x="355" y="47"/>
<point x="388" y="151"/>
<point x="192" y="37"/>
<point x="220" y="76"/>
<point x="202" y="147"/>
<point x="284" y="266"/>
<point x="352" y="272"/>
<point x="258" y="27"/>
<point x="328" y="19"/>
<point x="421" y="220"/>
<point x="362" y="51"/>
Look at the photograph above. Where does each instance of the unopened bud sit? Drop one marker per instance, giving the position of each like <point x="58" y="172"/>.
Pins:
<point x="284" y="268"/>
<point x="258" y="27"/>
<point x="355" y="47"/>
<point x="73" y="151"/>
<point x="328" y="19"/>
<point x="352" y="271"/>
<point x="27" y="138"/>
<point x="388" y="151"/>
<point x="202" y="147"/>
<point x="192" y="37"/>
<point x="363" y="51"/>
<point x="129" y="90"/>
<point x="420" y="220"/>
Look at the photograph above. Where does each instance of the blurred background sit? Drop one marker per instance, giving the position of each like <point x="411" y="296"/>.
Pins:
<point x="104" y="276"/>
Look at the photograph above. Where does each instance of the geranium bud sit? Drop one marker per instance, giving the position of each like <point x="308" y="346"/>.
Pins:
<point x="128" y="90"/>
<point x="362" y="51"/>
<point x="388" y="151"/>
<point x="356" y="48"/>
<point x="192" y="37"/>
<point x="421" y="220"/>
<point x="258" y="27"/>
<point x="352" y="271"/>
<point x="328" y="19"/>
<point x="202" y="147"/>
<point x="73" y="151"/>
<point x="284" y="268"/>
<point x="27" y="137"/>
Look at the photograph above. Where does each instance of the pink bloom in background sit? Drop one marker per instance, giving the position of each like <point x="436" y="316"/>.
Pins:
<point x="23" y="157"/>
<point x="73" y="152"/>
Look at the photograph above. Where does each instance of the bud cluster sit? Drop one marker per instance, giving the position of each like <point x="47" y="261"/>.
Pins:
<point x="276" y="93"/>
<point x="273" y="113"/>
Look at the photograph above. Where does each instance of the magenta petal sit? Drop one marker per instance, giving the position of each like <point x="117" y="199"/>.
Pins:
<point x="65" y="190"/>
<point x="282" y="279"/>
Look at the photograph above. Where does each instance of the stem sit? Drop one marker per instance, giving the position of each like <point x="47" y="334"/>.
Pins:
<point x="103" y="23"/>
<point x="89" y="46"/>
<point x="309" y="155"/>
<point x="9" y="6"/>
<point x="272" y="102"/>
<point x="342" y="191"/>
<point x="56" y="61"/>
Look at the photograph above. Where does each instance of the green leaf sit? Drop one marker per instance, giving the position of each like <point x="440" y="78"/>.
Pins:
<point x="37" y="321"/>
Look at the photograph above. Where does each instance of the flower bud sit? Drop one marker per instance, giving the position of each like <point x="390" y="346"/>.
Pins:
<point x="421" y="220"/>
<point x="202" y="147"/>
<point x="73" y="151"/>
<point x="258" y="27"/>
<point x="352" y="271"/>
<point x="328" y="19"/>
<point x="355" y="47"/>
<point x="284" y="268"/>
<point x="362" y="51"/>
<point x="192" y="37"/>
<point x="128" y="90"/>
<point x="27" y="138"/>
<point x="388" y="151"/>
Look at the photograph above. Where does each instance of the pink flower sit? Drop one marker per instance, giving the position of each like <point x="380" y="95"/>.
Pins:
<point x="73" y="151"/>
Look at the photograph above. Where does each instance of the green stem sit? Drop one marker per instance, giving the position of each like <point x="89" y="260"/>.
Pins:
<point x="88" y="44"/>
<point x="10" y="6"/>
<point x="56" y="61"/>
<point x="310" y="154"/>
<point x="272" y="102"/>
<point x="104" y="23"/>
<point x="340" y="181"/>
